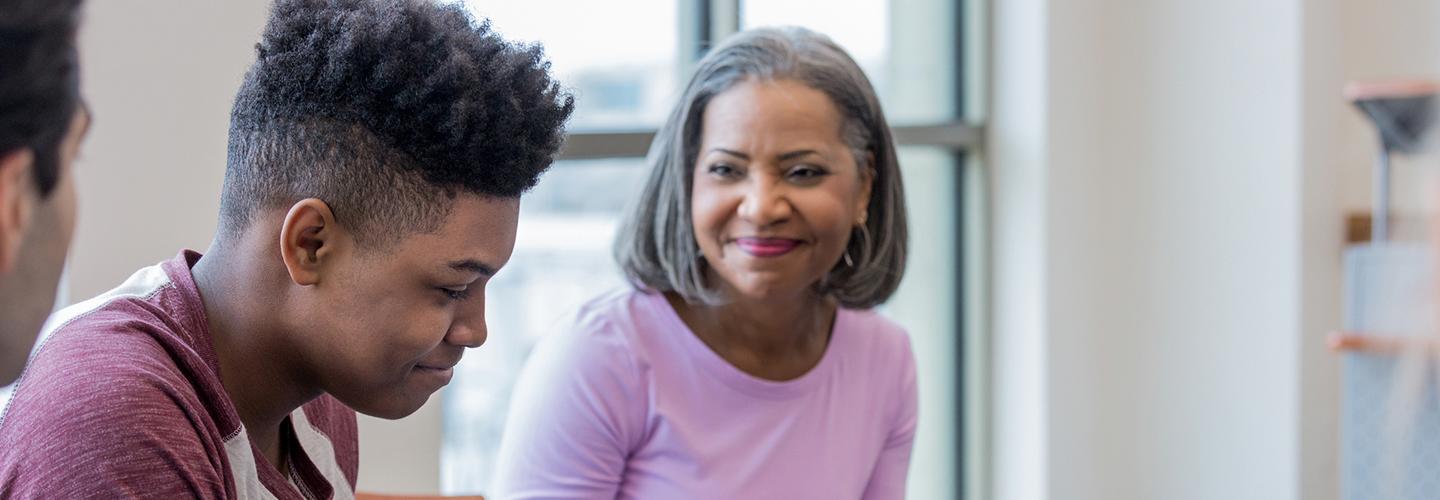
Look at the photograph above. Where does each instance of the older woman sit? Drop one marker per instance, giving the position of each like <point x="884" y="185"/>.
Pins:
<point x="746" y="363"/>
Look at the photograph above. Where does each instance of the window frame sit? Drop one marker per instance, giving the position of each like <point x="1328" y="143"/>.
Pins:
<point x="703" y="22"/>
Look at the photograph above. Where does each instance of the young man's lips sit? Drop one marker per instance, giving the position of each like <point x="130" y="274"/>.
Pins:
<point x="441" y="361"/>
<point x="437" y="375"/>
<point x="445" y="366"/>
<point x="767" y="247"/>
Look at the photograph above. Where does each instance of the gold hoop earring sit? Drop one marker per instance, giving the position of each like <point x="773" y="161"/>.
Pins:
<point x="864" y="243"/>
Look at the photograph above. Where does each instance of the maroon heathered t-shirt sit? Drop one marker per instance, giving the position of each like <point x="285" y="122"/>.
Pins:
<point x="123" y="400"/>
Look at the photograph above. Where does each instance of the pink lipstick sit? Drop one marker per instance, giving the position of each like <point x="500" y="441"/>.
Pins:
<point x="766" y="247"/>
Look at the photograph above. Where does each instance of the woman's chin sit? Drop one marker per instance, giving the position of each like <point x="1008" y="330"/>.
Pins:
<point x="771" y="291"/>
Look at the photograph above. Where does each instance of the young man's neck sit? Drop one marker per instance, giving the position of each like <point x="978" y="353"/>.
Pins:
<point x="245" y="313"/>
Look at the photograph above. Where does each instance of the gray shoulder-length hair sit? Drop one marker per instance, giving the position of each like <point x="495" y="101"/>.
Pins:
<point x="656" y="244"/>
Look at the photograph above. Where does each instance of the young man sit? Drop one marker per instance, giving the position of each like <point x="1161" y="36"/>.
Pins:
<point x="41" y="125"/>
<point x="378" y="150"/>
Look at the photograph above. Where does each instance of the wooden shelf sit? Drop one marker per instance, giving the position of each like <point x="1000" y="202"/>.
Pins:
<point x="1382" y="344"/>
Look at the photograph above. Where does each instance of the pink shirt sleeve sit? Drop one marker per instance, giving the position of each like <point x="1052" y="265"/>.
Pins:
<point x="574" y="418"/>
<point x="83" y="427"/>
<point x="888" y="480"/>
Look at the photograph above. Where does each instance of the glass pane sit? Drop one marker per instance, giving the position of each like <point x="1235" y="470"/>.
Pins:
<point x="906" y="47"/>
<point x="562" y="258"/>
<point x="925" y="305"/>
<point x="619" y="57"/>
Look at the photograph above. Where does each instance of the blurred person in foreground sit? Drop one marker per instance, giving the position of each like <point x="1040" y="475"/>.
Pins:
<point x="42" y="123"/>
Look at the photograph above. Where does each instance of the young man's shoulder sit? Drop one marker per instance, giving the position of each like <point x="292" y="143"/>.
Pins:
<point x="96" y="377"/>
<point x="108" y="368"/>
<point x="119" y="351"/>
<point x="118" y="348"/>
<point x="115" y="392"/>
<point x="107" y="408"/>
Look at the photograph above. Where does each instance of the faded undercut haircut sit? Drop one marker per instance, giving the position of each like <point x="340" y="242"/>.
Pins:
<point x="656" y="246"/>
<point x="386" y="110"/>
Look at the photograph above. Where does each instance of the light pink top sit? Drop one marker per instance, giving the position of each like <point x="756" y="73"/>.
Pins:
<point x="626" y="402"/>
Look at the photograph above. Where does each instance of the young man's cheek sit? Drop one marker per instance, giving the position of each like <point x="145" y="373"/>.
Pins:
<point x="408" y="343"/>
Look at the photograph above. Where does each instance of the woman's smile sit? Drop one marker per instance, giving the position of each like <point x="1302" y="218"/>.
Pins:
<point x="767" y="247"/>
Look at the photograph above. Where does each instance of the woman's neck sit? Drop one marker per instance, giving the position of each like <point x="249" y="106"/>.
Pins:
<point x="774" y="339"/>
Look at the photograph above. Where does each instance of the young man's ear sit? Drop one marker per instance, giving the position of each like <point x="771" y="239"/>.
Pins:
<point x="17" y="200"/>
<point x="308" y="237"/>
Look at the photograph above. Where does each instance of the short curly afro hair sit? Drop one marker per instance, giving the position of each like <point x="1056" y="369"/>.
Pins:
<point x="385" y="110"/>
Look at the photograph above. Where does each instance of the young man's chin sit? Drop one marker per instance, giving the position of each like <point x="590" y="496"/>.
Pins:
<point x="393" y="408"/>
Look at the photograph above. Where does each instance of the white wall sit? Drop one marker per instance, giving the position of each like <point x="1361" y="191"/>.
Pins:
<point x="1147" y="159"/>
<point x="402" y="456"/>
<point x="1170" y="182"/>
<point x="160" y="76"/>
<point x="1324" y="172"/>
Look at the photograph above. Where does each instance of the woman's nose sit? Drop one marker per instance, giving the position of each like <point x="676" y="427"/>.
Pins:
<point x="765" y="203"/>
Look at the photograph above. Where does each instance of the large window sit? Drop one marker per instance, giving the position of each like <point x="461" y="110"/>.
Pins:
<point x="625" y="61"/>
<point x="619" y="56"/>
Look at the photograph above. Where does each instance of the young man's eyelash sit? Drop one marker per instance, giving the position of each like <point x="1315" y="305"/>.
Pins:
<point x="456" y="294"/>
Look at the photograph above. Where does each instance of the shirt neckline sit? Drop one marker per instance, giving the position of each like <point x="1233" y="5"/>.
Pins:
<point x="181" y="272"/>
<point x="709" y="360"/>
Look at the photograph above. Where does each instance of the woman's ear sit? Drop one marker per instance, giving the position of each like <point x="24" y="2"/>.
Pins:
<point x="17" y="203"/>
<point x="308" y="237"/>
<point x="867" y="185"/>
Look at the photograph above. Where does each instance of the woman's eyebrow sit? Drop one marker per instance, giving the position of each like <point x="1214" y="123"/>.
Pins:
<point x="730" y="152"/>
<point x="798" y="154"/>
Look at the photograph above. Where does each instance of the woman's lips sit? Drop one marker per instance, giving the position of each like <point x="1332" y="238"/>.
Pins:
<point x="766" y="247"/>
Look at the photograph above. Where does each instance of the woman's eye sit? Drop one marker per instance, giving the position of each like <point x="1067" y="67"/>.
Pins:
<point x="806" y="172"/>
<point x="723" y="170"/>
